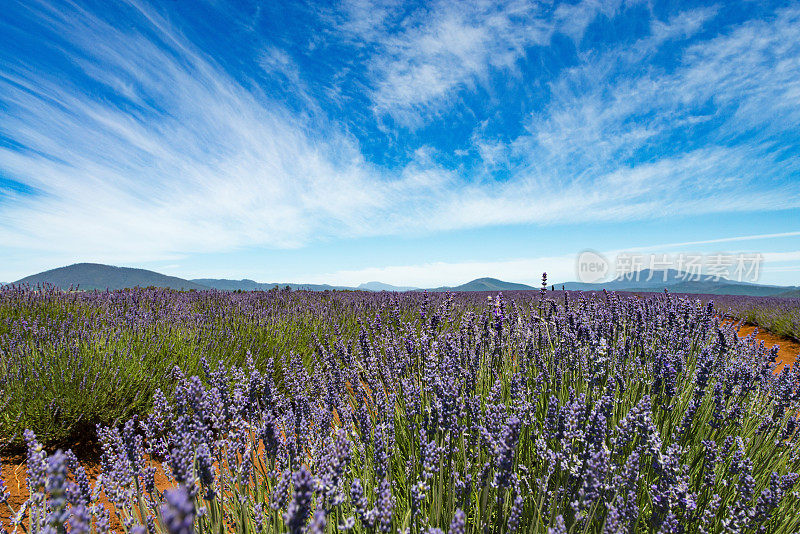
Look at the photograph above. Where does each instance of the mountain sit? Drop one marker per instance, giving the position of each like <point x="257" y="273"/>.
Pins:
<point x="673" y="280"/>
<point x="481" y="284"/>
<point x="646" y="279"/>
<point x="232" y="285"/>
<point x="487" y="284"/>
<point x="316" y="287"/>
<point x="97" y="276"/>
<point x="380" y="286"/>
<point x="726" y="287"/>
<point x="88" y="276"/>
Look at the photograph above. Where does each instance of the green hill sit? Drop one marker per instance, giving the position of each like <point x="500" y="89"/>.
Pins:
<point x="487" y="284"/>
<point x="89" y="276"/>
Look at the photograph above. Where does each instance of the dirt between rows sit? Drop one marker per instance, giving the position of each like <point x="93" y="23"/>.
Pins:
<point x="14" y="469"/>
<point x="14" y="474"/>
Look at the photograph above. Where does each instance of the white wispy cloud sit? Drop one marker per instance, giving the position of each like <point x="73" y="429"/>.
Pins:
<point x="732" y="239"/>
<point x="573" y="19"/>
<point x="608" y="108"/>
<point x="448" y="46"/>
<point x="190" y="159"/>
<point x="428" y="56"/>
<point x="781" y="257"/>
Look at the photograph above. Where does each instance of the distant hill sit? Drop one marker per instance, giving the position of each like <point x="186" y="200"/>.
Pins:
<point x="233" y="285"/>
<point x="481" y="284"/>
<point x="644" y="279"/>
<point x="655" y="280"/>
<point x="380" y="286"/>
<point x="316" y="287"/>
<point x="97" y="276"/>
<point x="673" y="280"/>
<point x="487" y="284"/>
<point x="223" y="284"/>
<point x="90" y="276"/>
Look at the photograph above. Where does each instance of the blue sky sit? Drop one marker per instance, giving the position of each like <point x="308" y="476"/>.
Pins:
<point x="413" y="143"/>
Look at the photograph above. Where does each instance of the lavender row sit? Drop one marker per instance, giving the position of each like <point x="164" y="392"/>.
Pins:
<point x="778" y="315"/>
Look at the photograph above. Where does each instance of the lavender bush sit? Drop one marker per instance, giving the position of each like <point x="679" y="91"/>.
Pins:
<point x="531" y="412"/>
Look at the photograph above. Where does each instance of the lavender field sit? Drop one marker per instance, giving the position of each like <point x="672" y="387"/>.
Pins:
<point x="376" y="412"/>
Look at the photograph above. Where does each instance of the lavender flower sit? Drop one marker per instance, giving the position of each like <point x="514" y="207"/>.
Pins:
<point x="709" y="463"/>
<point x="707" y="520"/>
<point x="280" y="495"/>
<point x="103" y="518"/>
<point x="4" y="493"/>
<point x="418" y="492"/>
<point x="515" y="513"/>
<point x="551" y="422"/>
<point x="177" y="512"/>
<point x="205" y="470"/>
<point x="258" y="517"/>
<point x="361" y="504"/>
<point x="769" y="499"/>
<point x="430" y="456"/>
<point x="558" y="527"/>
<point x="459" y="523"/>
<point x="57" y="488"/>
<point x="317" y="525"/>
<point x="384" y="506"/>
<point x="504" y="450"/>
<point x="36" y="463"/>
<point x="381" y="454"/>
<point x="299" y="509"/>
<point x="80" y="520"/>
